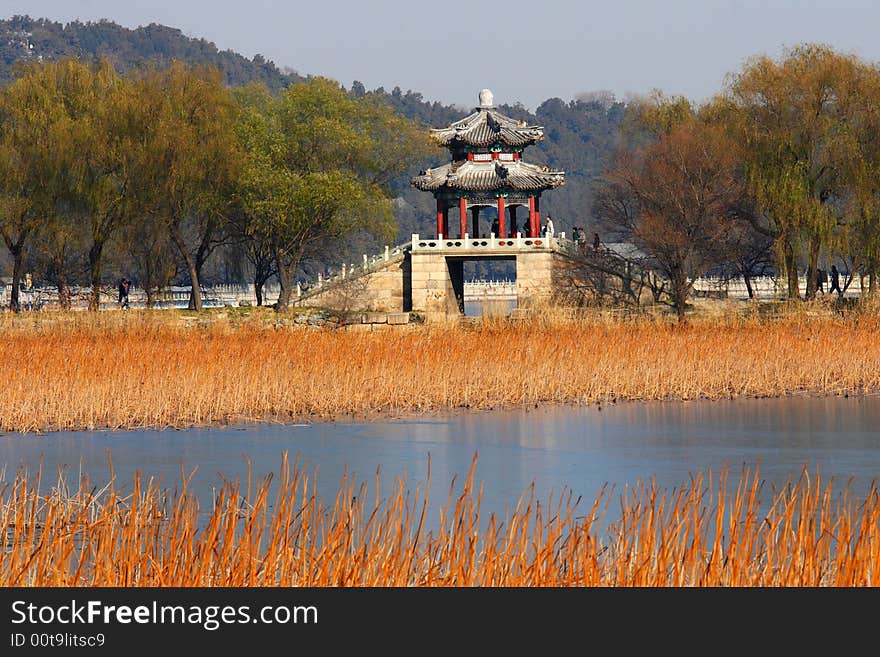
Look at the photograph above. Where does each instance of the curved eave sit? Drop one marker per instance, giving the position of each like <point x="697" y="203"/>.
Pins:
<point x="489" y="176"/>
<point x="483" y="137"/>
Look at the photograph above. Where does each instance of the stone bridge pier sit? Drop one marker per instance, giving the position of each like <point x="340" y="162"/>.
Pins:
<point x="436" y="285"/>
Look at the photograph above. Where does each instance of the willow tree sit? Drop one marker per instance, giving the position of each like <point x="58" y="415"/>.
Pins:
<point x="35" y="156"/>
<point x="190" y="162"/>
<point x="790" y="116"/>
<point x="19" y="218"/>
<point x="318" y="167"/>
<point x="860" y="237"/>
<point x="107" y="128"/>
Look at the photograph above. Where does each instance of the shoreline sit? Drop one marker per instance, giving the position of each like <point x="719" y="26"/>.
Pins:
<point x="359" y="417"/>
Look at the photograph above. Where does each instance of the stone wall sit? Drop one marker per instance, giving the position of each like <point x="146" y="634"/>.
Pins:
<point x="535" y="273"/>
<point x="432" y="289"/>
<point x="380" y="291"/>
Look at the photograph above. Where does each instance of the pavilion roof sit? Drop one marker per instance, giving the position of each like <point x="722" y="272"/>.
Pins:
<point x="487" y="126"/>
<point x="468" y="175"/>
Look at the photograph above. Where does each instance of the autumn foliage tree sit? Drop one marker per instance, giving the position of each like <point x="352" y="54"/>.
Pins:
<point x="190" y="161"/>
<point x="675" y="199"/>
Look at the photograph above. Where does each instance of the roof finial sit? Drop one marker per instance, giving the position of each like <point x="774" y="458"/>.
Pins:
<point x="487" y="101"/>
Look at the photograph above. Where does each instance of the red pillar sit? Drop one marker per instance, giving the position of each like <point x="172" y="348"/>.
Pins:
<point x="537" y="216"/>
<point x="462" y="215"/>
<point x="439" y="218"/>
<point x="533" y="232"/>
<point x="502" y="227"/>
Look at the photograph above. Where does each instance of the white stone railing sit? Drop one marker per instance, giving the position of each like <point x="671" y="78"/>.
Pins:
<point x="346" y="271"/>
<point x="764" y="287"/>
<point x="490" y="243"/>
<point x="479" y="289"/>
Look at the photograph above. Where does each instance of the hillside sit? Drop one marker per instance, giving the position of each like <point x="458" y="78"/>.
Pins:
<point x="27" y="39"/>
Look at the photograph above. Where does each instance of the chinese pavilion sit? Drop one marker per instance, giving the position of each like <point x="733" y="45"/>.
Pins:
<point x="487" y="170"/>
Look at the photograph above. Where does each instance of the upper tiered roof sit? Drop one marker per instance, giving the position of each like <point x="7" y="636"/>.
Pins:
<point x="476" y="167"/>
<point x="486" y="126"/>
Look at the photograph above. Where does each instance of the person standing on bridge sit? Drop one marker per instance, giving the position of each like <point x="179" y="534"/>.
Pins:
<point x="548" y="228"/>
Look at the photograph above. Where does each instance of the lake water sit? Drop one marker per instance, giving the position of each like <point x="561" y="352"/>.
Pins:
<point x="556" y="447"/>
<point x="478" y="307"/>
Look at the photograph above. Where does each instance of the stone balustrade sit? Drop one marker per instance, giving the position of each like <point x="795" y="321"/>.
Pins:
<point x="490" y="243"/>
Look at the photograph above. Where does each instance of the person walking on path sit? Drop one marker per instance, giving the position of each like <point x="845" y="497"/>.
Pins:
<point x="124" y="285"/>
<point x="835" y="282"/>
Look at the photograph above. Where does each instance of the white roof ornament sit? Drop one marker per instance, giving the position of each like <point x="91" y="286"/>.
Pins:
<point x="487" y="101"/>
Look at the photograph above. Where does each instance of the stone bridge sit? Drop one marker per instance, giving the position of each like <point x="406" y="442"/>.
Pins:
<point x="426" y="275"/>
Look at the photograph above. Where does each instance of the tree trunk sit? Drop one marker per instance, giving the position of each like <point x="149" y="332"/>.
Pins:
<point x="679" y="291"/>
<point x="656" y="288"/>
<point x="63" y="288"/>
<point x="258" y="291"/>
<point x="262" y="273"/>
<point x="287" y="268"/>
<point x="748" y="281"/>
<point x="259" y="282"/>
<point x="95" y="275"/>
<point x="791" y="271"/>
<point x="626" y="284"/>
<point x="195" y="294"/>
<point x="151" y="295"/>
<point x="285" y="277"/>
<point x="17" y="266"/>
<point x="813" y="269"/>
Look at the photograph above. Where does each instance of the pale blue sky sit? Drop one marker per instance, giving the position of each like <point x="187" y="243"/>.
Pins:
<point x="523" y="51"/>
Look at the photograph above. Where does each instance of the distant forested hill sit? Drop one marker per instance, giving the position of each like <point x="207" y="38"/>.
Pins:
<point x="579" y="134"/>
<point x="25" y="38"/>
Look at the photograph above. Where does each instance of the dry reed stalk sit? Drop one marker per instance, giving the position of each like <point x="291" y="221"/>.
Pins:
<point x="144" y="372"/>
<point x="706" y="533"/>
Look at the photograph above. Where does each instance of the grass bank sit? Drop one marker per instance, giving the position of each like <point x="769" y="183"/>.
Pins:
<point x="129" y="370"/>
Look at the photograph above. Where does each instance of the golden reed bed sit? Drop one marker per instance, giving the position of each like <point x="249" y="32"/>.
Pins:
<point x="141" y="370"/>
<point x="710" y="532"/>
